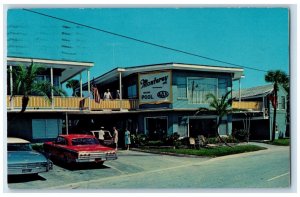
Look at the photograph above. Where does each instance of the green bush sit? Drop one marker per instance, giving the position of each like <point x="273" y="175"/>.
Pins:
<point x="281" y="142"/>
<point x="155" y="143"/>
<point x="241" y="134"/>
<point x="213" y="152"/>
<point x="212" y="140"/>
<point x="38" y="147"/>
<point x="185" y="141"/>
<point x="139" y="139"/>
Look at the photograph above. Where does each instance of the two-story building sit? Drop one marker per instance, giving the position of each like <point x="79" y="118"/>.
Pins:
<point x="169" y="95"/>
<point x="156" y="100"/>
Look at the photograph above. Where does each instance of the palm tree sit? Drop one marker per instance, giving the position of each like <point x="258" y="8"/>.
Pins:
<point x="276" y="77"/>
<point x="73" y="84"/>
<point x="221" y="106"/>
<point x="25" y="84"/>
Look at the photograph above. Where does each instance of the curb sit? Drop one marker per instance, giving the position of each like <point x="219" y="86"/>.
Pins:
<point x="170" y="154"/>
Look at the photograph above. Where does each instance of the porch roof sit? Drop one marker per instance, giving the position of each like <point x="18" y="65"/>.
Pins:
<point x="70" y="68"/>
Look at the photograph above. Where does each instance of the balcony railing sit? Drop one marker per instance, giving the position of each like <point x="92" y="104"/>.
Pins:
<point x="71" y="103"/>
<point x="248" y="105"/>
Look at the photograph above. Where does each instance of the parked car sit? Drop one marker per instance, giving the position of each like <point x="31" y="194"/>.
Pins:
<point x="22" y="159"/>
<point x="104" y="137"/>
<point x="79" y="148"/>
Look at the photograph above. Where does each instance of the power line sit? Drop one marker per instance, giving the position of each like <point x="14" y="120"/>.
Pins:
<point x="144" y="42"/>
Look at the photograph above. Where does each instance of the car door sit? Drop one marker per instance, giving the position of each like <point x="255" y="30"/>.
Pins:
<point x="59" y="147"/>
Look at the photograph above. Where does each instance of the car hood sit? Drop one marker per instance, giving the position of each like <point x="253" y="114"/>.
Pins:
<point x="90" y="148"/>
<point x="25" y="157"/>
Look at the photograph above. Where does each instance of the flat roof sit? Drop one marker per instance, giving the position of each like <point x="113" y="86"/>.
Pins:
<point x="70" y="68"/>
<point x="126" y="71"/>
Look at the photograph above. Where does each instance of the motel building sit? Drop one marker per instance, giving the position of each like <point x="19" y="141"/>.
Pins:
<point x="156" y="100"/>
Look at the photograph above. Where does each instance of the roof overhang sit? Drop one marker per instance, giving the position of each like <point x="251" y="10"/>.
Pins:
<point x="113" y="75"/>
<point x="70" y="68"/>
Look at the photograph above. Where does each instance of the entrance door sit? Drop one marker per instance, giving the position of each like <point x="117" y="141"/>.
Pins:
<point x="205" y="127"/>
<point x="156" y="127"/>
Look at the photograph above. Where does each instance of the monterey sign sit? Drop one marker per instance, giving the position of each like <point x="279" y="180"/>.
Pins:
<point x="155" y="87"/>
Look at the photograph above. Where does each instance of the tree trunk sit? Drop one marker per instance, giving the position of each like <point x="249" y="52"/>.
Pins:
<point x="275" y="112"/>
<point x="217" y="132"/>
<point x="25" y="100"/>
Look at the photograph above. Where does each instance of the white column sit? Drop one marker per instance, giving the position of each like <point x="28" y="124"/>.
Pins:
<point x="67" y="124"/>
<point x="263" y="106"/>
<point x="52" y="93"/>
<point x="240" y="92"/>
<point x="11" y="88"/>
<point x="80" y="85"/>
<point x="120" y="88"/>
<point x="89" y="87"/>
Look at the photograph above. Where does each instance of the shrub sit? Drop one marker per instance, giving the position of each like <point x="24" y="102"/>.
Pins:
<point x="241" y="135"/>
<point x="212" y="140"/>
<point x="155" y="143"/>
<point x="185" y="141"/>
<point x="139" y="139"/>
<point x="38" y="147"/>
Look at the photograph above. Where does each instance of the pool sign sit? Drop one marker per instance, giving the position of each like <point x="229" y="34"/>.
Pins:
<point x="155" y="87"/>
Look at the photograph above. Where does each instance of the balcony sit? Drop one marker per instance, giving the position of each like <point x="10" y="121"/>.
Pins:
<point x="71" y="103"/>
<point x="248" y="105"/>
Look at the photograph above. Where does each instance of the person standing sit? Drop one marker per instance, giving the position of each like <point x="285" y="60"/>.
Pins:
<point x="101" y="135"/>
<point x="127" y="139"/>
<point x="107" y="95"/>
<point x="118" y="94"/>
<point x="115" y="136"/>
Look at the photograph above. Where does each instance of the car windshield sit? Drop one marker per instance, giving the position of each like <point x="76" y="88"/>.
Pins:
<point x="84" y="141"/>
<point x="19" y="147"/>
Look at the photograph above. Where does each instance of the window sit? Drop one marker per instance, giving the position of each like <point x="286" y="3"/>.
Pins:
<point x="181" y="91"/>
<point x="222" y="87"/>
<point x="198" y="88"/>
<point x="283" y="102"/>
<point x="84" y="141"/>
<point x="131" y="90"/>
<point x="61" y="140"/>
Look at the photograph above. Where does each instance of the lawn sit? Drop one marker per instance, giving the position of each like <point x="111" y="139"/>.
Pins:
<point x="281" y="142"/>
<point x="210" y="152"/>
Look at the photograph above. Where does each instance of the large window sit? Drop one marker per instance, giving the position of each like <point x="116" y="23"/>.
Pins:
<point x="198" y="88"/>
<point x="222" y="87"/>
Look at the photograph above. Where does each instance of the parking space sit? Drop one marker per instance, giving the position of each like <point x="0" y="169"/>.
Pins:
<point x="268" y="168"/>
<point x="128" y="162"/>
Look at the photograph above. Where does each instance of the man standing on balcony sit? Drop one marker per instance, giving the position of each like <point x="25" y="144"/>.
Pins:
<point x="118" y="94"/>
<point x="107" y="95"/>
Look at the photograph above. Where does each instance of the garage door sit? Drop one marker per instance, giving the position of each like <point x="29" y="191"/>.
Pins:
<point x="45" y="128"/>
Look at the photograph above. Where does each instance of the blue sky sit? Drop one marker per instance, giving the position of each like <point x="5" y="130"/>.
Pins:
<point x="252" y="37"/>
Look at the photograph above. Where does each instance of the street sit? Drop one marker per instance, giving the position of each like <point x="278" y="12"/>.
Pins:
<point x="136" y="170"/>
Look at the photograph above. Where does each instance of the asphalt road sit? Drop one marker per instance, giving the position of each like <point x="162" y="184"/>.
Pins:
<point x="136" y="170"/>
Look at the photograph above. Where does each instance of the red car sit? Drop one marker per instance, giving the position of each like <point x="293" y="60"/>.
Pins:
<point x="78" y="148"/>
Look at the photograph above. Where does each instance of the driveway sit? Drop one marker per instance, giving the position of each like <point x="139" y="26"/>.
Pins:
<point x="136" y="170"/>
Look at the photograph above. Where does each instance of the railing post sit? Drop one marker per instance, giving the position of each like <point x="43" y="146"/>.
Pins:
<point x="67" y="124"/>
<point x="52" y="93"/>
<point x="120" y="86"/>
<point x="11" y="88"/>
<point x="80" y="85"/>
<point x="89" y="88"/>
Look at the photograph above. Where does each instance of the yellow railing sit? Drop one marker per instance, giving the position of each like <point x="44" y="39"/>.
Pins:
<point x="40" y="102"/>
<point x="247" y="105"/>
